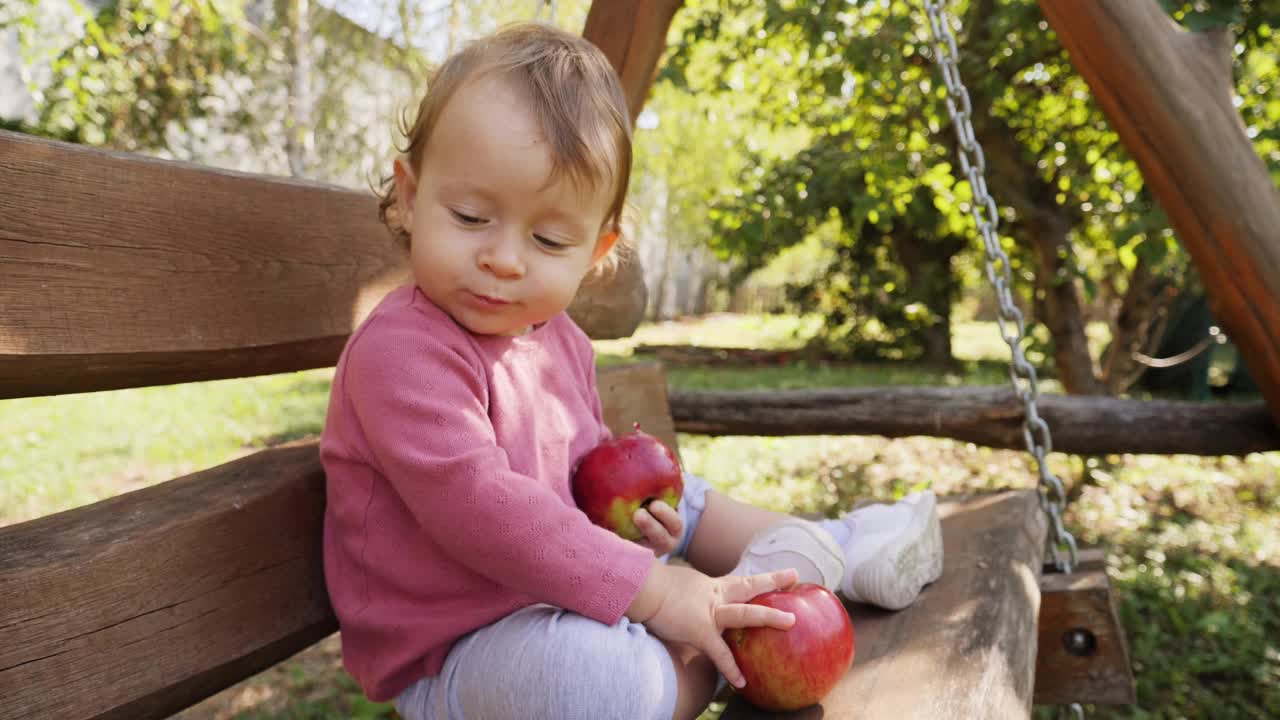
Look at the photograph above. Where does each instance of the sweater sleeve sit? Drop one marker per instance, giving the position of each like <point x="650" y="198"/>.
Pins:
<point x="420" y="403"/>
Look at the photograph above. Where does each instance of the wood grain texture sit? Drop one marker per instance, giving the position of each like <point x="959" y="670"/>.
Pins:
<point x="25" y="376"/>
<point x="989" y="416"/>
<point x="1082" y="599"/>
<point x="637" y="393"/>
<point x="967" y="647"/>
<point x="1167" y="94"/>
<point x="140" y="605"/>
<point x="112" y="265"/>
<point x="118" y="270"/>
<point x="633" y="35"/>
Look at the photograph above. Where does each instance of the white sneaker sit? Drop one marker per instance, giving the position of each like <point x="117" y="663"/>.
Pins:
<point x="797" y="544"/>
<point x="893" y="551"/>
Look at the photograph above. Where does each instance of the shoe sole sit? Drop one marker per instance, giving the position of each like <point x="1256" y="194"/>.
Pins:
<point x="895" y="579"/>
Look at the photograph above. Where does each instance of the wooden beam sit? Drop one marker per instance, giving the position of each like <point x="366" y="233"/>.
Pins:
<point x="966" y="648"/>
<point x="140" y="605"/>
<point x="118" y="270"/>
<point x="989" y="416"/>
<point x="637" y="393"/>
<point x="26" y="376"/>
<point x="633" y="35"/>
<point x="1082" y="653"/>
<point x="1168" y="94"/>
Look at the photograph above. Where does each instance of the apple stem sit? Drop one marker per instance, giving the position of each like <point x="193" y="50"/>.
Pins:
<point x="635" y="425"/>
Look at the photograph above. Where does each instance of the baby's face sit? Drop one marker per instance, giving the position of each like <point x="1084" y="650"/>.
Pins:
<point x="494" y="243"/>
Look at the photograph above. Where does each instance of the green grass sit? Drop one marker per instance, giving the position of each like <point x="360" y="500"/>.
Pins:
<point x="982" y="356"/>
<point x="62" y="452"/>
<point x="1194" y="542"/>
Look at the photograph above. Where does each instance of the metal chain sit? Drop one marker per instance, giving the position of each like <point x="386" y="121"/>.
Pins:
<point x="1022" y="374"/>
<point x="549" y="6"/>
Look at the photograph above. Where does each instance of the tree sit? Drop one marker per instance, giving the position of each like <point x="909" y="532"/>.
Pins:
<point x="862" y="76"/>
<point x="138" y="68"/>
<point x="285" y="86"/>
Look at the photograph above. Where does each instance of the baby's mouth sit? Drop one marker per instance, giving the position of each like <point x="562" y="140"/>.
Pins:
<point x="489" y="299"/>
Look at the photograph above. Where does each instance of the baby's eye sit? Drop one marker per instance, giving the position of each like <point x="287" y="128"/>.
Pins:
<point x="466" y="219"/>
<point x="548" y="243"/>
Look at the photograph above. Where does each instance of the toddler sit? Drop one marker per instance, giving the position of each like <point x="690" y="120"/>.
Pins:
<point x="465" y="581"/>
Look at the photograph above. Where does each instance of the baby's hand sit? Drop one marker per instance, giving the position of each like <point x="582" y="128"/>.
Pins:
<point x="661" y="526"/>
<point x="696" y="609"/>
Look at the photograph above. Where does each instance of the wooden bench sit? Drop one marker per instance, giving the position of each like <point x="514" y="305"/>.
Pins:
<point x="145" y="603"/>
<point x="118" y="271"/>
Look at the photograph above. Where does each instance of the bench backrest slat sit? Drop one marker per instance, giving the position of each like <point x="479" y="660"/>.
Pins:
<point x="141" y="604"/>
<point x="118" y="270"/>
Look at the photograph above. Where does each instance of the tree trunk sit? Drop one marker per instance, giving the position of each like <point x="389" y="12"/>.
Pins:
<point x="989" y="416"/>
<point x="928" y="266"/>
<point x="300" y="139"/>
<point x="1168" y="94"/>
<point x="1135" y="328"/>
<point x="700" y="290"/>
<point x="1046" y="229"/>
<point x="660" y="287"/>
<point x="1063" y="312"/>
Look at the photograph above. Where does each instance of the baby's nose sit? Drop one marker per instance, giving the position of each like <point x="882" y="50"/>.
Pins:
<point x="502" y="258"/>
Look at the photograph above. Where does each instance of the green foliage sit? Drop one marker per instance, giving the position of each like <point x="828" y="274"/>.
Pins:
<point x="138" y="67"/>
<point x="859" y="81"/>
<point x="203" y="82"/>
<point x="301" y="690"/>
<point x="62" y="452"/>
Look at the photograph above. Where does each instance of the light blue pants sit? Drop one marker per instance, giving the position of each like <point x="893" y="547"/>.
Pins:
<point x="545" y="663"/>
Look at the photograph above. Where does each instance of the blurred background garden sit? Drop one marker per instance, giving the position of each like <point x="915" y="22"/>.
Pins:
<point x="794" y="191"/>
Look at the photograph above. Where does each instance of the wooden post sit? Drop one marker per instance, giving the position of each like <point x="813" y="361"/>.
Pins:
<point x="1167" y="94"/>
<point x="633" y="35"/>
<point x="1081" y="654"/>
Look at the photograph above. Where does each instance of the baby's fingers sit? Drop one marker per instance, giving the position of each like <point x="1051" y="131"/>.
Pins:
<point x="718" y="650"/>
<point x="654" y="533"/>
<point x="743" y="615"/>
<point x="741" y="589"/>
<point x="668" y="516"/>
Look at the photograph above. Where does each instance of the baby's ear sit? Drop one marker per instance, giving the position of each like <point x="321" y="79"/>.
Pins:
<point x="406" y="191"/>
<point x="604" y="244"/>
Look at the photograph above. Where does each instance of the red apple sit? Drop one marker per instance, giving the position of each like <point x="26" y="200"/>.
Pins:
<point x="621" y="475"/>
<point x="795" y="668"/>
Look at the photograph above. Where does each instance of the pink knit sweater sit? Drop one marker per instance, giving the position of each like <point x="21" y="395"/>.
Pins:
<point x="448" y="457"/>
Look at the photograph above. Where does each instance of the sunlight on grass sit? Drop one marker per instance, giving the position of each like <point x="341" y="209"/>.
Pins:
<point x="61" y="452"/>
<point x="719" y="330"/>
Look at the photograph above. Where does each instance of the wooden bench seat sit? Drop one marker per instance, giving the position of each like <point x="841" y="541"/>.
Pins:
<point x="967" y="647"/>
